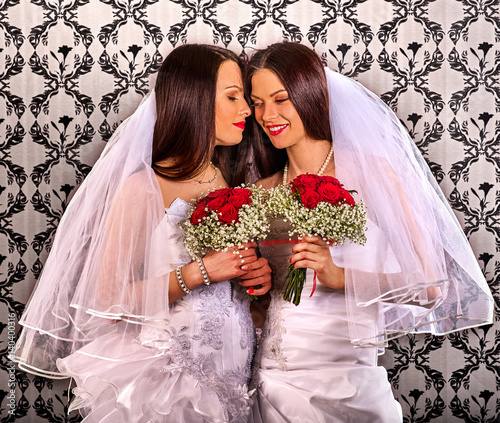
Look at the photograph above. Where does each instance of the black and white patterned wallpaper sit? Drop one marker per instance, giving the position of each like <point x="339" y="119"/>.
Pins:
<point x="71" y="70"/>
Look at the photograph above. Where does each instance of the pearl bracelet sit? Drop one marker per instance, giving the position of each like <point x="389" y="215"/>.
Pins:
<point x="203" y="271"/>
<point x="180" y="279"/>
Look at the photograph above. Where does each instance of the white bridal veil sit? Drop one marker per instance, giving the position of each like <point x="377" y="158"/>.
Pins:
<point x="417" y="272"/>
<point x="108" y="268"/>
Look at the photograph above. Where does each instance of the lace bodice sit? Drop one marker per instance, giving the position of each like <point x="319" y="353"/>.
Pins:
<point x="210" y="334"/>
<point x="277" y="249"/>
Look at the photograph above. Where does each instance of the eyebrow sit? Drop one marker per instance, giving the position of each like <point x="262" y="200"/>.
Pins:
<point x="235" y="86"/>
<point x="272" y="94"/>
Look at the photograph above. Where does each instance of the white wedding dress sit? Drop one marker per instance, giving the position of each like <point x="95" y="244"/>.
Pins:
<point x="196" y="369"/>
<point x="306" y="369"/>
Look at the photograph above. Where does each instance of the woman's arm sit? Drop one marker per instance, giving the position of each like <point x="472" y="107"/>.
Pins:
<point x="222" y="266"/>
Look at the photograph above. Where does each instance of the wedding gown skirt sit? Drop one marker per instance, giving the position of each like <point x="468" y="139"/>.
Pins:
<point x="196" y="369"/>
<point x="306" y="369"/>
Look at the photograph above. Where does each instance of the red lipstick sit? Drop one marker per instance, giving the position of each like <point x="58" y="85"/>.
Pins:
<point x="276" y="129"/>
<point x="240" y="125"/>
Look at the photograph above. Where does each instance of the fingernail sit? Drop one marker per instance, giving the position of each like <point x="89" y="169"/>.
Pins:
<point x="290" y="260"/>
<point x="244" y="267"/>
<point x="250" y="290"/>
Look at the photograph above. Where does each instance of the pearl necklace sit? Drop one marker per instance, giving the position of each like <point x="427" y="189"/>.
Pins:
<point x="209" y="181"/>
<point x="320" y="171"/>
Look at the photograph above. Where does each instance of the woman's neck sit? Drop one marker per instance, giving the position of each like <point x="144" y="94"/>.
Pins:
<point x="307" y="157"/>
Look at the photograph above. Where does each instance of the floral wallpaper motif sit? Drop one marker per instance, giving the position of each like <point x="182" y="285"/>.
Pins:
<point x="72" y="70"/>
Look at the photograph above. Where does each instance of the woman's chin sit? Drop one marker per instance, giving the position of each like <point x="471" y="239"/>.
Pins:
<point x="227" y="143"/>
<point x="279" y="144"/>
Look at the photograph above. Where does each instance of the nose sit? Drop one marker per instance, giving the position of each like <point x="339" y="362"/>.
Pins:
<point x="245" y="110"/>
<point x="269" y="112"/>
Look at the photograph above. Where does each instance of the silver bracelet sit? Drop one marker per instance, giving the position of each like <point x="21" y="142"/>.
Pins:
<point x="203" y="271"/>
<point x="180" y="279"/>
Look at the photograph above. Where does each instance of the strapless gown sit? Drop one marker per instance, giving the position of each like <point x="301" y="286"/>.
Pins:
<point x="306" y="369"/>
<point x="195" y="370"/>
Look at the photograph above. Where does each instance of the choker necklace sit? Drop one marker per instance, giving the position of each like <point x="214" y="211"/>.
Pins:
<point x="209" y="181"/>
<point x="320" y="171"/>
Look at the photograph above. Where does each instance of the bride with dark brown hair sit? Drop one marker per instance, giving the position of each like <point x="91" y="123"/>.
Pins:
<point x="317" y="362"/>
<point x="120" y="306"/>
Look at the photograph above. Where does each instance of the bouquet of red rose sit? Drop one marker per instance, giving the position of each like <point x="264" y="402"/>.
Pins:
<point x="226" y="217"/>
<point x="317" y="205"/>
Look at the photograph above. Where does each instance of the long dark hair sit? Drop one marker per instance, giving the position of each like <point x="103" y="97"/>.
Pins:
<point x="301" y="72"/>
<point x="185" y="105"/>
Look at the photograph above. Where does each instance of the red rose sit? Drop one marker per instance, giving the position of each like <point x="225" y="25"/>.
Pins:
<point x="202" y="202"/>
<point x="238" y="200"/>
<point x="330" y="192"/>
<point x="223" y="192"/>
<point x="239" y="197"/>
<point x="347" y="197"/>
<point x="331" y="179"/>
<point x="244" y="192"/>
<point x="198" y="215"/>
<point x="305" y="182"/>
<point x="310" y="198"/>
<point x="217" y="203"/>
<point x="227" y="214"/>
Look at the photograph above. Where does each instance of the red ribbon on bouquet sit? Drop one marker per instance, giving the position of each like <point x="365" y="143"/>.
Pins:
<point x="279" y="242"/>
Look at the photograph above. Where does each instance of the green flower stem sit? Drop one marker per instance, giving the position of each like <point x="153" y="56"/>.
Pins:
<point x="293" y="284"/>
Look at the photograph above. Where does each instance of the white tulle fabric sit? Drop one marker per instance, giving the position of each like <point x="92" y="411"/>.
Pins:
<point x="100" y="311"/>
<point x="417" y="271"/>
<point x="196" y="369"/>
<point x="306" y="368"/>
<point x="103" y="265"/>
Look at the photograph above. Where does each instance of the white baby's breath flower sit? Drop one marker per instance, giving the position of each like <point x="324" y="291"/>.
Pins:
<point x="209" y="233"/>
<point x="336" y="223"/>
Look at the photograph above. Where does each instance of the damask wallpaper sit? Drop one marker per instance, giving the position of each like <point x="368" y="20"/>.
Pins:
<point x="71" y="70"/>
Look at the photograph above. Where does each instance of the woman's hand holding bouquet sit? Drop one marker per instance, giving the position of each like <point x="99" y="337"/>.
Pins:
<point x="230" y="220"/>
<point x="322" y="213"/>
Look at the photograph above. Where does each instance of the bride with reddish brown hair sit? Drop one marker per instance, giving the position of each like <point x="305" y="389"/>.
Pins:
<point x="317" y="362"/>
<point x="120" y="306"/>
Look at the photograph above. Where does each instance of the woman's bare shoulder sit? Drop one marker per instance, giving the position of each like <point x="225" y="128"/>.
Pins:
<point x="271" y="181"/>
